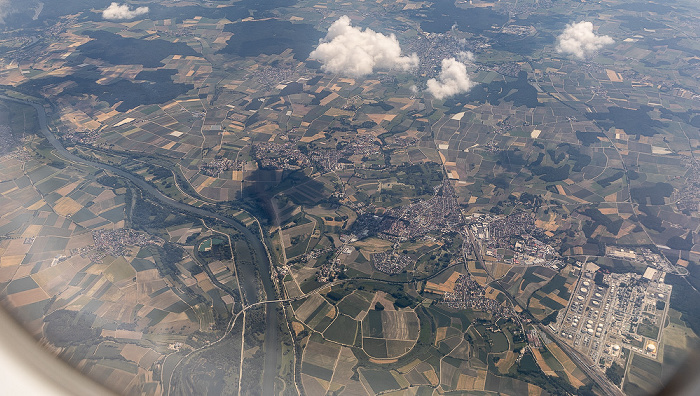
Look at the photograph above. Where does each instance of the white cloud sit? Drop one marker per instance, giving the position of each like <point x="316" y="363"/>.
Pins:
<point x="116" y="11"/>
<point x="465" y="57"/>
<point x="453" y="80"/>
<point x="353" y="52"/>
<point x="579" y="40"/>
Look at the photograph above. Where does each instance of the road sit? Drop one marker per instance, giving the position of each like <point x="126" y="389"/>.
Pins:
<point x="588" y="367"/>
<point x="262" y="263"/>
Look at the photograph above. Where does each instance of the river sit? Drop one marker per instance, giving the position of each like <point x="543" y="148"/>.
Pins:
<point x="271" y="346"/>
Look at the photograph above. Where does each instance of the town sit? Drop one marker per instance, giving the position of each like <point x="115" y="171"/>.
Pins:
<point x="470" y="294"/>
<point x="116" y="243"/>
<point x="516" y="233"/>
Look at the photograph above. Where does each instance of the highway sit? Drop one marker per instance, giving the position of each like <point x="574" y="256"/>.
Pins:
<point x="588" y="367"/>
<point x="263" y="265"/>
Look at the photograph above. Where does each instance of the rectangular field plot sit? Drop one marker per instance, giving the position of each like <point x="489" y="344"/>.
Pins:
<point x="317" y="371"/>
<point x="372" y="324"/>
<point x="396" y="348"/>
<point x="392" y="325"/>
<point x="378" y="380"/>
<point x="321" y="354"/>
<point x="399" y="325"/>
<point x="308" y="307"/>
<point x="642" y="377"/>
<point x="353" y="305"/>
<point x="342" y="330"/>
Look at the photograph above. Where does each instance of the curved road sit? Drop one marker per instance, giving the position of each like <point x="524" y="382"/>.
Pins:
<point x="263" y="262"/>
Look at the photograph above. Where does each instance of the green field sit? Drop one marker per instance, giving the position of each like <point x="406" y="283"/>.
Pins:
<point x="643" y="376"/>
<point x="499" y="342"/>
<point x="316" y="371"/>
<point x="379" y="380"/>
<point x="372" y="324"/>
<point x="24" y="284"/>
<point x="375" y="347"/>
<point x="353" y="304"/>
<point x="342" y="330"/>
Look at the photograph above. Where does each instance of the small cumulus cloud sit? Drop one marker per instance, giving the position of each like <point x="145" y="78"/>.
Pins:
<point x="355" y="52"/>
<point x="579" y="40"/>
<point x="452" y="80"/>
<point x="117" y="11"/>
<point x="465" y="57"/>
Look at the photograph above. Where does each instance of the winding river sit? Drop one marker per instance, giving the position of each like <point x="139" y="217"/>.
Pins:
<point x="262" y="263"/>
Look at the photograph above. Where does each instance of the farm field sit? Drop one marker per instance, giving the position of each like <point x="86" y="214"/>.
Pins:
<point x="349" y="198"/>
